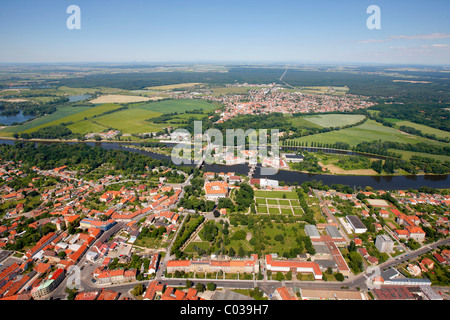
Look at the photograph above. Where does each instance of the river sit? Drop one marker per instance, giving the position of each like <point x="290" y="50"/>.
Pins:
<point x="376" y="182"/>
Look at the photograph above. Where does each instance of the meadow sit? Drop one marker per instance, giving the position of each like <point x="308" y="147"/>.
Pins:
<point x="46" y="120"/>
<point x="368" y="131"/>
<point x="334" y="120"/>
<point x="424" y="129"/>
<point x="84" y="119"/>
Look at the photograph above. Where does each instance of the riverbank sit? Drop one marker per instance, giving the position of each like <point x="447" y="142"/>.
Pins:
<point x="293" y="177"/>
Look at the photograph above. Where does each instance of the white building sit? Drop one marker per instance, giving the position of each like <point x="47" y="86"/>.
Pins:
<point x="356" y="224"/>
<point x="384" y="243"/>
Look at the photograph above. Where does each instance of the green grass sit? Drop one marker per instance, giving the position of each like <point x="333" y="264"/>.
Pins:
<point x="275" y="194"/>
<point x="86" y="126"/>
<point x="56" y="116"/>
<point x="131" y="120"/>
<point x="169" y="106"/>
<point x="80" y="116"/>
<point x="424" y="129"/>
<point x="334" y="120"/>
<point x="406" y="155"/>
<point x="262" y="209"/>
<point x="302" y="122"/>
<point x="368" y="131"/>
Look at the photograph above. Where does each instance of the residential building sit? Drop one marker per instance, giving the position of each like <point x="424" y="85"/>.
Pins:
<point x="384" y="243"/>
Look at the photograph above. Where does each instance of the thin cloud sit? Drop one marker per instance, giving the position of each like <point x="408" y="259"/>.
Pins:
<point x="431" y="36"/>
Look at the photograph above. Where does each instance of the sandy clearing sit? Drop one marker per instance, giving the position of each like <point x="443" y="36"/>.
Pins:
<point x="117" y="98"/>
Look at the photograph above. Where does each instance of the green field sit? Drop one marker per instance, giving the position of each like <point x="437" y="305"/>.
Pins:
<point x="334" y="120"/>
<point x="368" y="131"/>
<point x="406" y="155"/>
<point x="424" y="129"/>
<point x="80" y="116"/>
<point x="130" y="121"/>
<point x="46" y="120"/>
<point x="170" y="106"/>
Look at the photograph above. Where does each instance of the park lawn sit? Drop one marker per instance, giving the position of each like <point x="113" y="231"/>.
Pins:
<point x="284" y="202"/>
<point x="262" y="209"/>
<point x="260" y="201"/>
<point x="272" y="201"/>
<point x="334" y="120"/>
<point x="274" y="210"/>
<point x="275" y="246"/>
<point x="201" y="244"/>
<point x="60" y="113"/>
<point x="368" y="131"/>
<point x="276" y="194"/>
<point x="286" y="211"/>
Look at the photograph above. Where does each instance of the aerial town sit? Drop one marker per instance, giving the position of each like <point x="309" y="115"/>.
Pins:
<point x="63" y="237"/>
<point x="238" y="154"/>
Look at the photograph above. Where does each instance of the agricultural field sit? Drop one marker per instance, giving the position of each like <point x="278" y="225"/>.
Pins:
<point x="131" y="120"/>
<point x="84" y="119"/>
<point x="116" y="98"/>
<point x="188" y="85"/>
<point x="406" y="155"/>
<point x="334" y="120"/>
<point x="61" y="113"/>
<point x="134" y="119"/>
<point x="368" y="131"/>
<point x="424" y="129"/>
<point x="80" y="116"/>
<point x="170" y="106"/>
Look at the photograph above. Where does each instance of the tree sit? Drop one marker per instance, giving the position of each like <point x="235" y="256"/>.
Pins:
<point x="279" y="276"/>
<point x="138" y="290"/>
<point x="200" y="287"/>
<point x="211" y="286"/>
<point x="241" y="252"/>
<point x="339" y="277"/>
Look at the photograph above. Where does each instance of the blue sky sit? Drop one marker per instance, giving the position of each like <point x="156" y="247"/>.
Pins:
<point x="321" y="31"/>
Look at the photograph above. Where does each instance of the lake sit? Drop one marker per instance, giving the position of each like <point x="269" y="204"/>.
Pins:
<point x="80" y="97"/>
<point x="18" y="118"/>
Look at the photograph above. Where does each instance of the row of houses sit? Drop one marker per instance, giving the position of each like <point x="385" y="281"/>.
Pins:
<point x="212" y="265"/>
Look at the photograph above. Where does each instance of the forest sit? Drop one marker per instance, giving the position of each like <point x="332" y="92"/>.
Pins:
<point x="430" y="114"/>
<point x="49" y="156"/>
